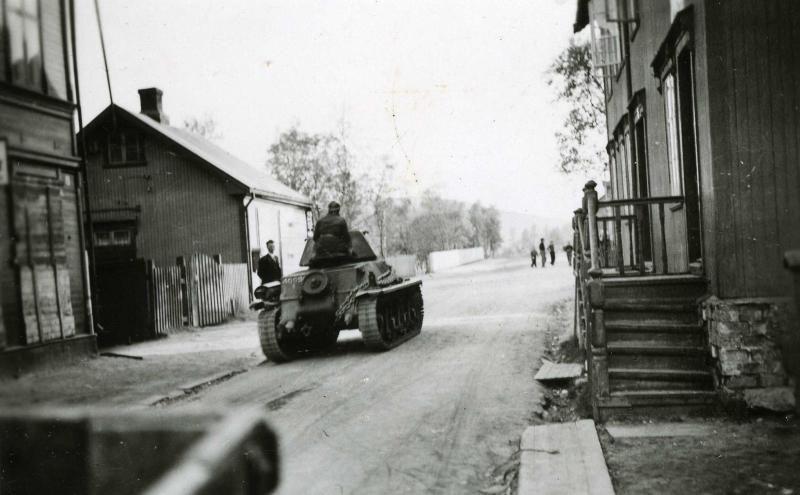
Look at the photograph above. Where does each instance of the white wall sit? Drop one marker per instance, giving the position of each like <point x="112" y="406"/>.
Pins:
<point x="403" y="265"/>
<point x="284" y="224"/>
<point x="440" y="260"/>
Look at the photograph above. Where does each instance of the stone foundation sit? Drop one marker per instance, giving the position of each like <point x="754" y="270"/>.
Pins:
<point x="747" y="338"/>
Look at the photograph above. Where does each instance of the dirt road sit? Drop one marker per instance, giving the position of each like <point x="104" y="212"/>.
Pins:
<point x="431" y="416"/>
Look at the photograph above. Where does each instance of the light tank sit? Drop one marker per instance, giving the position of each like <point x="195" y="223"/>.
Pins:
<point x="306" y="311"/>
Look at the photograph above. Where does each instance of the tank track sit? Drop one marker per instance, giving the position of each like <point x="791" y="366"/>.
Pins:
<point x="286" y="348"/>
<point x="388" y="320"/>
<point x="274" y="350"/>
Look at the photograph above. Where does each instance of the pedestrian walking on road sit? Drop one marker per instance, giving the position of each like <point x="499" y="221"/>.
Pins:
<point x="541" y="252"/>
<point x="533" y="257"/>
<point x="552" y="249"/>
<point x="568" y="249"/>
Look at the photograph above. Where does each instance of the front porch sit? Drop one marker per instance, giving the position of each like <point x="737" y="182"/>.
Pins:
<point x="638" y="310"/>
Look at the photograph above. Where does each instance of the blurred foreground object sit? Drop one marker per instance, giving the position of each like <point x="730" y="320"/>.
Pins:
<point x="76" y="451"/>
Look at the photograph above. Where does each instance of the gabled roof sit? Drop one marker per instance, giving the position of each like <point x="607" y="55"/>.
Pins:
<point x="255" y="181"/>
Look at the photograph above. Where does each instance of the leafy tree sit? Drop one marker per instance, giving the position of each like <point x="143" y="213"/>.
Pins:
<point x="485" y="227"/>
<point x="302" y="162"/>
<point x="581" y="141"/>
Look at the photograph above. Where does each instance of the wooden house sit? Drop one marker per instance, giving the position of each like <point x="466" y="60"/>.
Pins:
<point x="160" y="193"/>
<point x="703" y="122"/>
<point x="43" y="269"/>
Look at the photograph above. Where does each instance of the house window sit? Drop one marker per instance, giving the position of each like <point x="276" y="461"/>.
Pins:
<point x="23" y="54"/>
<point x="631" y="10"/>
<point x="125" y="148"/>
<point x="113" y="238"/>
<point x="673" y="158"/>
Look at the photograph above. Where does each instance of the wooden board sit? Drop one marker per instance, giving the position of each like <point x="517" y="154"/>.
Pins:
<point x="660" y="430"/>
<point x="563" y="458"/>
<point x="558" y="371"/>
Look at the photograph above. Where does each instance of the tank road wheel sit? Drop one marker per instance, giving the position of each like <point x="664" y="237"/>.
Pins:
<point x="388" y="320"/>
<point x="416" y="311"/>
<point x="276" y="344"/>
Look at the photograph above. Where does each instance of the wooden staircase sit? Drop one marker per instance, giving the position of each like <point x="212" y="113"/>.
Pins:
<point x="655" y="347"/>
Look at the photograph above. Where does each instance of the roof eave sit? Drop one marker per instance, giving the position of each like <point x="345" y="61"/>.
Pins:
<point x="280" y="198"/>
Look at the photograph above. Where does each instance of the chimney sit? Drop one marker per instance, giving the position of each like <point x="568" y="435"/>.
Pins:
<point x="150" y="100"/>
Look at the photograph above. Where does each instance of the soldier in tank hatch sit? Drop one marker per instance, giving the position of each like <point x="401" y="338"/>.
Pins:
<point x="331" y="237"/>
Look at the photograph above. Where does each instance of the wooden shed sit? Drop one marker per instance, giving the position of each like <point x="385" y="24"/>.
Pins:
<point x="162" y="195"/>
<point x="43" y="282"/>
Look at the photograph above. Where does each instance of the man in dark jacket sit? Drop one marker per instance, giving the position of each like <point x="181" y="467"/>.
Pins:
<point x="542" y="253"/>
<point x="269" y="268"/>
<point x="331" y="237"/>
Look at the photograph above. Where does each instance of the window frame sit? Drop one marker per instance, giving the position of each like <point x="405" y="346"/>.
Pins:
<point x="141" y="160"/>
<point x="6" y="75"/>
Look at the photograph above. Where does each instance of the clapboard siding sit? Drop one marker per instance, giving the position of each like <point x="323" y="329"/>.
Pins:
<point x="185" y="208"/>
<point x="27" y="129"/>
<point x="754" y="106"/>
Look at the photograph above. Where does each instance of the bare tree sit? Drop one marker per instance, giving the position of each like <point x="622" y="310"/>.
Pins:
<point x="204" y="126"/>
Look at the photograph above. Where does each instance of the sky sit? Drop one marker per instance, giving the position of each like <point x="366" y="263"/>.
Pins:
<point x="453" y="92"/>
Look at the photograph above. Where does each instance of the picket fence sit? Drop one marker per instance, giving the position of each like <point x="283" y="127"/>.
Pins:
<point x="200" y="291"/>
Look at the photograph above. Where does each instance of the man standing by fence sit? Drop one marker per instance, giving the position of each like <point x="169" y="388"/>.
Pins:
<point x="269" y="268"/>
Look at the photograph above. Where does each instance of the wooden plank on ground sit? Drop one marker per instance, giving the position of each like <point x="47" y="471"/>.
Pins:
<point x="563" y="459"/>
<point x="660" y="430"/>
<point x="558" y="371"/>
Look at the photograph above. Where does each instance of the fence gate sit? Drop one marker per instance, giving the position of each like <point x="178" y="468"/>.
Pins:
<point x="167" y="298"/>
<point x="205" y="284"/>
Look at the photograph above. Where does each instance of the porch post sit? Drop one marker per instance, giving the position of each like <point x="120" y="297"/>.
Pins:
<point x="596" y="332"/>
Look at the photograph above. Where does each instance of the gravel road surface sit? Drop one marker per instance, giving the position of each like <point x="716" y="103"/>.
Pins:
<point x="431" y="416"/>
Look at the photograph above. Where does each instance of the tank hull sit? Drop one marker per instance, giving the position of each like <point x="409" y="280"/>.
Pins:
<point x="315" y="304"/>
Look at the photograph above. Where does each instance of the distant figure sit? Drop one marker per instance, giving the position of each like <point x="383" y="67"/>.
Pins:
<point x="541" y="252"/>
<point x="269" y="267"/>
<point x="331" y="237"/>
<point x="552" y="250"/>
<point x="568" y="249"/>
<point x="533" y="257"/>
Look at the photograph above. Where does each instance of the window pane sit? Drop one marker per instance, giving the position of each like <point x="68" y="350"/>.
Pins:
<point x="30" y="8"/>
<point x="34" y="53"/>
<point x="114" y="148"/>
<point x="102" y="239"/>
<point x="672" y="135"/>
<point x="16" y="48"/>
<point x="132" y="147"/>
<point x="122" y="238"/>
<point x="2" y="48"/>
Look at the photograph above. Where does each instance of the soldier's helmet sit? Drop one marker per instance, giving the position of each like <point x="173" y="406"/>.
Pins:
<point x="333" y="206"/>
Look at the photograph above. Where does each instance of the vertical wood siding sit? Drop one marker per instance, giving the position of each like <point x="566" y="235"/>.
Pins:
<point x="167" y="298"/>
<point x="755" y="119"/>
<point x="185" y="208"/>
<point x="74" y="256"/>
